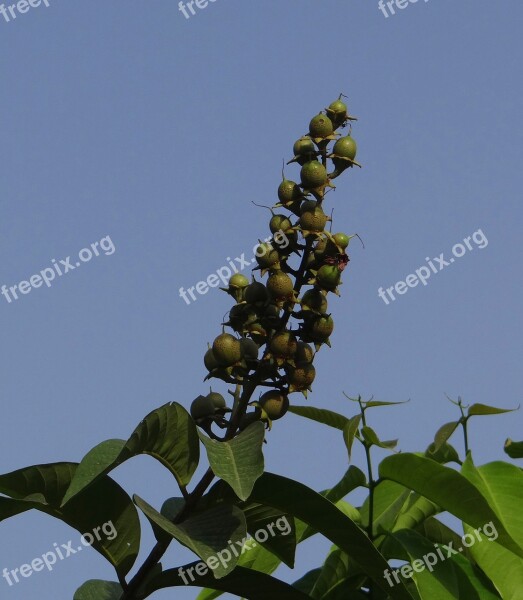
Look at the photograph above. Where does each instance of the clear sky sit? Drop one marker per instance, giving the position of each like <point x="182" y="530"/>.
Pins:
<point x="127" y="120"/>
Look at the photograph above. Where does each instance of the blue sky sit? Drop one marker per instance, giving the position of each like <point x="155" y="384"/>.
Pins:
<point x="129" y="121"/>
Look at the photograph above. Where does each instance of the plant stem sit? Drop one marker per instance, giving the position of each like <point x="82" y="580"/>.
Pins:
<point x="372" y="486"/>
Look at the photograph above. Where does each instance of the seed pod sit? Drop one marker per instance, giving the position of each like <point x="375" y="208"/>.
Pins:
<point x="320" y="329"/>
<point x="304" y="354"/>
<point x="227" y="350"/>
<point x="283" y="344"/>
<point x="341" y="240"/>
<point x="313" y="175"/>
<point x="328" y="277"/>
<point x="266" y="256"/>
<point x="288" y="192"/>
<point x="300" y="377"/>
<point x="320" y="127"/>
<point x="313" y="300"/>
<point x="343" y="155"/>
<point x="236" y="286"/>
<point x="256" y="293"/>
<point x="202" y="407"/>
<point x="338" y="113"/>
<point x="275" y="404"/>
<point x="280" y="286"/>
<point x="279" y="223"/>
<point x="304" y="150"/>
<point x="312" y="218"/>
<point x="218" y="401"/>
<point x="210" y="361"/>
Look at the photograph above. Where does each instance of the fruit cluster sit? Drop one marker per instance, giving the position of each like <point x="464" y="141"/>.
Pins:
<point x="265" y="349"/>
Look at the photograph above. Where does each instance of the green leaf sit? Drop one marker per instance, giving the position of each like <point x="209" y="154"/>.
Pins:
<point x="280" y="527"/>
<point x="306" y="583"/>
<point x="445" y="454"/>
<point x="168" y="434"/>
<point x="443" y="435"/>
<point x="96" y="589"/>
<point x="260" y="559"/>
<point x="447" y="488"/>
<point x="447" y="578"/>
<point x="320" y="514"/>
<point x="349" y="432"/>
<point x="483" y="409"/>
<point x="417" y="510"/>
<point x="42" y="487"/>
<point x="353" y="478"/>
<point x="514" y="449"/>
<point x="207" y="534"/>
<point x="389" y="498"/>
<point x="375" y="403"/>
<point x="321" y="415"/>
<point x="371" y="437"/>
<point x="501" y="566"/>
<point x="438" y="533"/>
<point x="336" y="568"/>
<point x="241" y="582"/>
<point x="501" y="484"/>
<point x="239" y="462"/>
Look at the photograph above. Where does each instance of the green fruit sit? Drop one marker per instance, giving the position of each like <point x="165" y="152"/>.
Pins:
<point x="288" y="191"/>
<point x="304" y="146"/>
<point x="304" y="354"/>
<point x="320" y="329"/>
<point x="346" y="148"/>
<point x="280" y="285"/>
<point x="238" y="281"/>
<point x="256" y="292"/>
<point x="275" y="404"/>
<point x="320" y="126"/>
<point x="266" y="255"/>
<point x="328" y="277"/>
<point x="301" y="377"/>
<point x="304" y="150"/>
<point x="279" y="223"/>
<point x="342" y="240"/>
<point x="210" y="361"/>
<point x="283" y="344"/>
<point x="337" y="112"/>
<point x="313" y="175"/>
<point x="202" y="408"/>
<point x="227" y="350"/>
<point x="217" y="400"/>
<point x="312" y="217"/>
<point x="314" y="300"/>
